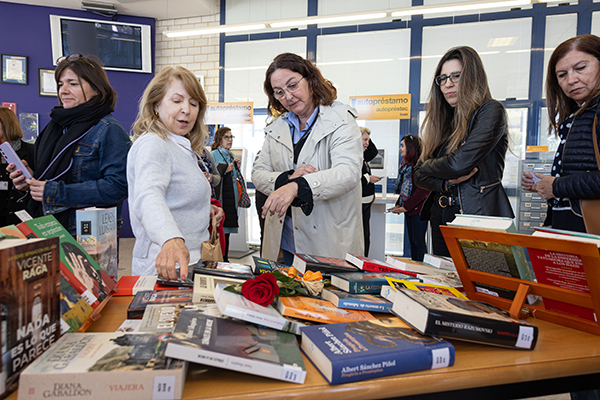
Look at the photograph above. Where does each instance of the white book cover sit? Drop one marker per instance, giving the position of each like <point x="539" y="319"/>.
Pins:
<point x="204" y="286"/>
<point x="97" y="234"/>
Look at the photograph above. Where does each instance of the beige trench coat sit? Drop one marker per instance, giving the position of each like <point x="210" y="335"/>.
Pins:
<point x="334" y="148"/>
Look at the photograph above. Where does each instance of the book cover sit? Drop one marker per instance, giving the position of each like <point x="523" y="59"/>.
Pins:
<point x="220" y="268"/>
<point x="463" y="319"/>
<point x="146" y="297"/>
<point x="350" y="352"/>
<point x="78" y="267"/>
<point x="237" y="306"/>
<point x="30" y="319"/>
<point x="117" y="366"/>
<point x="387" y="292"/>
<point x="237" y="346"/>
<point x="366" y="302"/>
<point x="327" y="265"/>
<point x="565" y="271"/>
<point x="131" y="285"/>
<point x="74" y="309"/>
<point x="318" y="310"/>
<point x="97" y="235"/>
<point x="12" y="232"/>
<point x="408" y="265"/>
<point x="451" y="280"/>
<point x="204" y="286"/>
<point x="262" y="265"/>
<point x="371" y="265"/>
<point x="161" y="318"/>
<point x="397" y="284"/>
<point x="129" y="326"/>
<point x="359" y="282"/>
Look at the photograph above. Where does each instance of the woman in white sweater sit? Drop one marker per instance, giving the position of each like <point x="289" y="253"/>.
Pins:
<point x="169" y="194"/>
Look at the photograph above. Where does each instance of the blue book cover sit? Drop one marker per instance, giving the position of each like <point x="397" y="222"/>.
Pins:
<point x="360" y="282"/>
<point x="367" y="302"/>
<point x="349" y="352"/>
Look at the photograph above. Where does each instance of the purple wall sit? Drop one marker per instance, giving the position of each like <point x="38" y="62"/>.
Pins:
<point x="25" y="31"/>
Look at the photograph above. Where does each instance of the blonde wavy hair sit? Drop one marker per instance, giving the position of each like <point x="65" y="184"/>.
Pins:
<point x="148" y="121"/>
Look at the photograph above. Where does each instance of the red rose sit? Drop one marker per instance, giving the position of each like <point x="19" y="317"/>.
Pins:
<point x="261" y="290"/>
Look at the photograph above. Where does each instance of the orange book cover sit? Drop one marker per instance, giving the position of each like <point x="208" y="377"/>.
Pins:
<point x="319" y="310"/>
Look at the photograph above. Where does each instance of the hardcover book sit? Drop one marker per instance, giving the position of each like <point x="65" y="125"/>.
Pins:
<point x="463" y="319"/>
<point x="359" y="282"/>
<point x="397" y="284"/>
<point x="97" y="235"/>
<point x="30" y="318"/>
<point x="204" y="286"/>
<point x="146" y="297"/>
<point x="371" y="265"/>
<point x="237" y="346"/>
<point x="327" y="265"/>
<point x="161" y="318"/>
<point x="366" y="302"/>
<point x="77" y="267"/>
<point x="318" y="310"/>
<point x="117" y="366"/>
<point x="237" y="306"/>
<point x="355" y="351"/>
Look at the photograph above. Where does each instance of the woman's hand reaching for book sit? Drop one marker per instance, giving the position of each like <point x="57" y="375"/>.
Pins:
<point x="173" y="251"/>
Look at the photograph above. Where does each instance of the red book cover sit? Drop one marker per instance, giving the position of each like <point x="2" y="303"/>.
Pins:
<point x="131" y="285"/>
<point x="371" y="265"/>
<point x="565" y="271"/>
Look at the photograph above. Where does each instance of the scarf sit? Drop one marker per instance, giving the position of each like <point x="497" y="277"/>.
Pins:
<point x="404" y="184"/>
<point x="56" y="144"/>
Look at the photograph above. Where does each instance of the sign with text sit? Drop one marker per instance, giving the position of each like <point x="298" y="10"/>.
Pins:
<point x="229" y="113"/>
<point x="393" y="106"/>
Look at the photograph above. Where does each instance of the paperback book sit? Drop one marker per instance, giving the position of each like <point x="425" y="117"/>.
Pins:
<point x="408" y="265"/>
<point x="237" y="306"/>
<point x="366" y="302"/>
<point x="118" y="366"/>
<point x="144" y="298"/>
<point x="161" y="318"/>
<point x="463" y="319"/>
<point x="30" y="318"/>
<point x="318" y="310"/>
<point x="237" y="346"/>
<point x="359" y="282"/>
<point x="204" y="286"/>
<point x="12" y="232"/>
<point x="444" y="263"/>
<point x="371" y="265"/>
<point x="262" y="265"/>
<point x="226" y="269"/>
<point x="349" y="352"/>
<point x="74" y="309"/>
<point x="398" y="284"/>
<point x="131" y="285"/>
<point x="97" y="235"/>
<point x="327" y="265"/>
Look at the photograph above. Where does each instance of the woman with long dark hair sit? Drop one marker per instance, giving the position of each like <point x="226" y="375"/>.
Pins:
<point x="411" y="197"/>
<point x="465" y="138"/>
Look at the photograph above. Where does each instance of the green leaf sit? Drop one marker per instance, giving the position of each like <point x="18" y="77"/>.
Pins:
<point x="234" y="289"/>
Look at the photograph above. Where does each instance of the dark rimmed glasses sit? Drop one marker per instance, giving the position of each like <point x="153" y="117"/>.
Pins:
<point x="73" y="58"/>
<point x="453" y="76"/>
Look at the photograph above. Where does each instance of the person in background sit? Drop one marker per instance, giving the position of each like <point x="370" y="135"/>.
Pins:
<point x="227" y="192"/>
<point x="311" y="161"/>
<point x="465" y="138"/>
<point x="11" y="199"/>
<point x="411" y="197"/>
<point x="573" y="96"/>
<point x="169" y="193"/>
<point x="368" y="185"/>
<point x="211" y="172"/>
<point x="81" y="155"/>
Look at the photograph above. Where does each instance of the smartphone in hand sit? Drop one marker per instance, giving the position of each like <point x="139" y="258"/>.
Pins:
<point x="12" y="157"/>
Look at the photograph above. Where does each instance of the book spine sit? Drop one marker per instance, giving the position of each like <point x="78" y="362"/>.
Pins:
<point x="257" y="318"/>
<point x="496" y="332"/>
<point x="26" y="230"/>
<point x="365" y="287"/>
<point x="381" y="268"/>
<point x="363" y="305"/>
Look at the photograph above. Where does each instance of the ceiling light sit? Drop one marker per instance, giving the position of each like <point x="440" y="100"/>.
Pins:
<point x="215" y="29"/>
<point x="324" y="19"/>
<point x="453" y="7"/>
<point x="104" y="8"/>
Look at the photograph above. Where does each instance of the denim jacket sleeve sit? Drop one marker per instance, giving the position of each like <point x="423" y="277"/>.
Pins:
<point x="98" y="171"/>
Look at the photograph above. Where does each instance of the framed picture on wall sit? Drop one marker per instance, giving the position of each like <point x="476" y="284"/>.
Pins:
<point x="46" y="83"/>
<point x="14" y="69"/>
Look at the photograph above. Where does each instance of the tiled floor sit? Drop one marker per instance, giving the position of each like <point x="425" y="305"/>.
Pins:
<point x="125" y="250"/>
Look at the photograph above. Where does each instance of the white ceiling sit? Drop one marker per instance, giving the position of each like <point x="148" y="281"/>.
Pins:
<point x="159" y="9"/>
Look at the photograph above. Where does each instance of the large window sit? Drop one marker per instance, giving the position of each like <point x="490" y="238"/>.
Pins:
<point x="558" y="29"/>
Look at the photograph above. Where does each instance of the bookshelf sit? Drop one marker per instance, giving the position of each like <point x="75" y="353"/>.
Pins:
<point x="588" y="252"/>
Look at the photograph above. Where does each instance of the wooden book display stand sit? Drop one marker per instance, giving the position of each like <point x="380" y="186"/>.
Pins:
<point x="587" y="252"/>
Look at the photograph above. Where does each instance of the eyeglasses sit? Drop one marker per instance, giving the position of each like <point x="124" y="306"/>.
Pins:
<point x="229" y="137"/>
<point x="291" y="88"/>
<point x="442" y="79"/>
<point x="73" y="58"/>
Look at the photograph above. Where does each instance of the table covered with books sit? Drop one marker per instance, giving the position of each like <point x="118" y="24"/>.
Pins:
<point x="560" y="353"/>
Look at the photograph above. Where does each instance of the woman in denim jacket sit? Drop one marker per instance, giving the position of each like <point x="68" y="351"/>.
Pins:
<point x="81" y="154"/>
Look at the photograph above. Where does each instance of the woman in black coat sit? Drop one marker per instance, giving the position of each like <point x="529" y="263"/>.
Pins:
<point x="11" y="199"/>
<point x="465" y="138"/>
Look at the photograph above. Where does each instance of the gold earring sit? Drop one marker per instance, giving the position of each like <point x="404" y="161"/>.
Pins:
<point x="156" y="113"/>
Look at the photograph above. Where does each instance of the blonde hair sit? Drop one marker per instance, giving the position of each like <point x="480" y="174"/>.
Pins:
<point x="147" y="120"/>
<point x="364" y="130"/>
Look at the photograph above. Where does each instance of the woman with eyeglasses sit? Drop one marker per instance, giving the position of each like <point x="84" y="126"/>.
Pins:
<point x="309" y="165"/>
<point x="465" y="138"/>
<point x="227" y="192"/>
<point x="80" y="156"/>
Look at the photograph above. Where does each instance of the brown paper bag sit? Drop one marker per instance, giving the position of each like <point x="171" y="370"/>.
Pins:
<point x="211" y="249"/>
